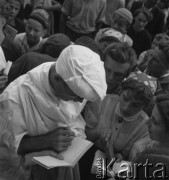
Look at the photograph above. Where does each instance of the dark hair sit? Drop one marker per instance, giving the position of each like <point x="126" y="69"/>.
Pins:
<point x="164" y="48"/>
<point x="144" y="11"/>
<point x="139" y="90"/>
<point x="109" y="39"/>
<point x="162" y="102"/>
<point x="55" y="44"/>
<point x="121" y="53"/>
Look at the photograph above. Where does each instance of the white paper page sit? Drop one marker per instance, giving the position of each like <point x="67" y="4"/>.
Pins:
<point x="71" y="156"/>
<point x="50" y="162"/>
<point x="76" y="150"/>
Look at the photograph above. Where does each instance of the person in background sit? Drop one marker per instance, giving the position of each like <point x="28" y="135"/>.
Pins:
<point x="13" y="21"/>
<point x="55" y="93"/>
<point x="111" y="7"/>
<point x="140" y="36"/>
<point x="157" y="149"/>
<point x="49" y="52"/>
<point x="32" y="39"/>
<point x="82" y="18"/>
<point x="145" y="56"/>
<point x="158" y="66"/>
<point x="4" y="14"/>
<point x="107" y="37"/>
<point x="156" y="26"/>
<point x="120" y="21"/>
<point x="50" y="6"/>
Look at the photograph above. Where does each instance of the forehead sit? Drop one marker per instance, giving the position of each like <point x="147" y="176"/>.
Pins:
<point x="129" y="94"/>
<point x="116" y="66"/>
<point x="141" y="16"/>
<point x="34" y="24"/>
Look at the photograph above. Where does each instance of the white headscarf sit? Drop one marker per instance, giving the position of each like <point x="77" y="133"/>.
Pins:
<point x="83" y="71"/>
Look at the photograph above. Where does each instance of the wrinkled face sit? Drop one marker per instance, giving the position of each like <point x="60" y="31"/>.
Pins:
<point x="14" y="7"/>
<point x="115" y="73"/>
<point x="129" y="106"/>
<point x="156" y="126"/>
<point x="119" y="24"/>
<point x="34" y="31"/>
<point x="61" y="89"/>
<point x="140" y="22"/>
<point x="155" y="68"/>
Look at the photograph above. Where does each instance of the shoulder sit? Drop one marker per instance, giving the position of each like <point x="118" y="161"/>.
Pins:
<point x="143" y="116"/>
<point x="20" y="37"/>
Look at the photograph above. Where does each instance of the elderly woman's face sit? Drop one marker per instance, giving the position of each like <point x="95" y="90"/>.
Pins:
<point x="129" y="106"/>
<point x="156" y="127"/>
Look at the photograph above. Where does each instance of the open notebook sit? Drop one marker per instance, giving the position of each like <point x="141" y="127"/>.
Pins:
<point x="100" y="165"/>
<point x="71" y="156"/>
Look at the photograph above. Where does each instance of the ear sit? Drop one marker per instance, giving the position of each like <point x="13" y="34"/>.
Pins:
<point x="44" y="33"/>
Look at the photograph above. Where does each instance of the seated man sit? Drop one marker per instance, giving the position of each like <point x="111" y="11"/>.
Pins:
<point x="45" y="102"/>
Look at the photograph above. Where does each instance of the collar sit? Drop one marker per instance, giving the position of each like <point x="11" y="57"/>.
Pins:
<point x="128" y="119"/>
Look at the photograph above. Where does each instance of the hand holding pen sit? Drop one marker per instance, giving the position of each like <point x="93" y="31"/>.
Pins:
<point x="60" y="139"/>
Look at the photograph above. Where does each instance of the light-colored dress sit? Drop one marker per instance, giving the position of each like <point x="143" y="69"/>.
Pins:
<point x="125" y="131"/>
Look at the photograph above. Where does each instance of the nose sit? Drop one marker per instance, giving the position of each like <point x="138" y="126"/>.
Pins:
<point x="31" y="32"/>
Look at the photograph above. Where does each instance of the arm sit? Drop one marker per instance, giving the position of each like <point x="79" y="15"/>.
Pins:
<point x="57" y="140"/>
<point x="55" y="7"/>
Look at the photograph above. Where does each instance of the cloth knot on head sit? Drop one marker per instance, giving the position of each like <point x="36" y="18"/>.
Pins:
<point x="83" y="71"/>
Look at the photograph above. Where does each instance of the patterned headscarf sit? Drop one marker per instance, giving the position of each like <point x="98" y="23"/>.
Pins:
<point x="148" y="81"/>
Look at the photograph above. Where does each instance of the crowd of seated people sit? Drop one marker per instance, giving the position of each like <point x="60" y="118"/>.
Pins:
<point x="97" y="70"/>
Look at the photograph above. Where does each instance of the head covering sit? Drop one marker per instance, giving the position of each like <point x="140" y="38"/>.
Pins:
<point x="126" y="14"/>
<point x="109" y="32"/>
<point x="4" y="9"/>
<point x="55" y="44"/>
<point x="41" y="16"/>
<point x="83" y="71"/>
<point x="148" y="81"/>
<point x="88" y="42"/>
